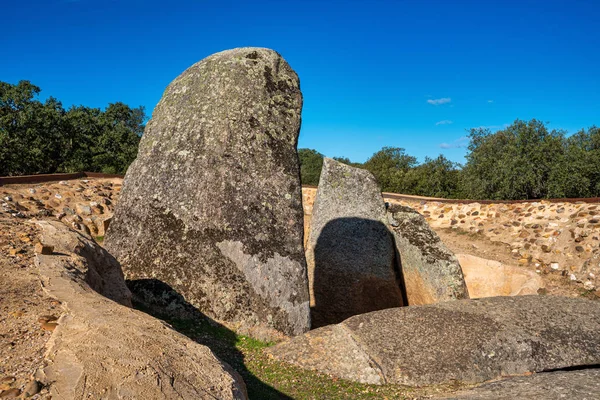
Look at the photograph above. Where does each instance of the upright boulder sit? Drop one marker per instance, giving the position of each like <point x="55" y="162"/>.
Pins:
<point x="350" y="252"/>
<point x="430" y="271"/>
<point x="212" y="205"/>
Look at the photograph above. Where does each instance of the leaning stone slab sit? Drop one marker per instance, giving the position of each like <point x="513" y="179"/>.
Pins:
<point x="350" y="252"/>
<point x="101" y="349"/>
<point x="212" y="205"/>
<point x="559" y="385"/>
<point x="430" y="271"/>
<point x="470" y="341"/>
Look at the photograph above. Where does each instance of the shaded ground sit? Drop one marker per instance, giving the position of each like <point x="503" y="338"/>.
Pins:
<point x="266" y="378"/>
<point x="557" y="283"/>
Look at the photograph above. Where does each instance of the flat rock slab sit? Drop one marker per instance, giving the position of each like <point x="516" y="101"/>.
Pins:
<point x="559" y="385"/>
<point x="350" y="252"/>
<point x="212" y="206"/>
<point x="470" y="341"/>
<point x="101" y="349"/>
<point x="430" y="271"/>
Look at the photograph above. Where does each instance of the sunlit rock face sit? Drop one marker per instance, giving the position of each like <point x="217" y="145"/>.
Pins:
<point x="212" y="206"/>
<point x="350" y="251"/>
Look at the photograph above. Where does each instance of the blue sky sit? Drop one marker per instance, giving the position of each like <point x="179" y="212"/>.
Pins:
<point x="412" y="74"/>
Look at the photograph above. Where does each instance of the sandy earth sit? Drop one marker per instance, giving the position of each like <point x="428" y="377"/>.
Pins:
<point x="556" y="282"/>
<point x="22" y="304"/>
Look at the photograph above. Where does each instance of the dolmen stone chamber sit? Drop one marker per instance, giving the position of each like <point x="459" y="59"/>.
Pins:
<point x="212" y="205"/>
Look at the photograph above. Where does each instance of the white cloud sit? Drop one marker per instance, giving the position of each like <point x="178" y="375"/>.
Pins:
<point x="437" y="102"/>
<point x="444" y="122"/>
<point x="457" y="144"/>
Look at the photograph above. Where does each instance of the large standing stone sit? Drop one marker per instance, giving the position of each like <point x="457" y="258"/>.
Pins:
<point x="430" y="271"/>
<point x="212" y="205"/>
<point x="350" y="252"/>
<point x="470" y="341"/>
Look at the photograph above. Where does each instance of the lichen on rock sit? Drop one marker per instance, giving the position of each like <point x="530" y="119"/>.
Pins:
<point x="218" y="165"/>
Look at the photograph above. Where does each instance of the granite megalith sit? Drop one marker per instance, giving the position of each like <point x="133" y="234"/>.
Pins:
<point x="470" y="341"/>
<point x="350" y="251"/>
<point x="430" y="271"/>
<point x="212" y="205"/>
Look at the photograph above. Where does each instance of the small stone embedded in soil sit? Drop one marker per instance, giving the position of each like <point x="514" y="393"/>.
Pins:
<point x="10" y="394"/>
<point x="32" y="388"/>
<point x="44" y="249"/>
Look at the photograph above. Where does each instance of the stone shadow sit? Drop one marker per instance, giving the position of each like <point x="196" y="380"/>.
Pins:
<point x="160" y="300"/>
<point x="356" y="270"/>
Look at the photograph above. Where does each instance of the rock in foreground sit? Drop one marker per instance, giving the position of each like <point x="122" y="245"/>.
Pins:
<point x="471" y="341"/>
<point x="560" y="385"/>
<point x="100" y="349"/>
<point x="99" y="268"/>
<point x="350" y="252"/>
<point x="212" y="205"/>
<point x="430" y="271"/>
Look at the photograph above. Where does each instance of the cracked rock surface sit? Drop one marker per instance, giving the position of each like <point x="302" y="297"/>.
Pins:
<point x="470" y="341"/>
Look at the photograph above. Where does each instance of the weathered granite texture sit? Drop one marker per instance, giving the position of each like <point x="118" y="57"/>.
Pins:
<point x="212" y="205"/>
<point x="558" y="238"/>
<point x="350" y="252"/>
<point x="430" y="271"/>
<point x="470" y="341"/>
<point x="559" y="385"/>
<point x="97" y="267"/>
<point x="101" y="349"/>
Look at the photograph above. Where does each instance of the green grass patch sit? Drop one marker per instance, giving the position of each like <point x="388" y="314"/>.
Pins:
<point x="267" y="378"/>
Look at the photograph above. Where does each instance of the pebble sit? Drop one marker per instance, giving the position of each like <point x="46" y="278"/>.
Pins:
<point x="10" y="394"/>
<point x="32" y="388"/>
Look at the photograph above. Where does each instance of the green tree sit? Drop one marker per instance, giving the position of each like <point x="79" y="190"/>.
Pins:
<point x="116" y="146"/>
<point x="577" y="172"/>
<point x="437" y="177"/>
<point x="390" y="166"/>
<point x="513" y="163"/>
<point x="311" y="163"/>
<point x="38" y="137"/>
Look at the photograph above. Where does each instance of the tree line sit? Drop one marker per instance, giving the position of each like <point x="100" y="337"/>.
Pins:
<point x="523" y="161"/>
<point x="42" y="137"/>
